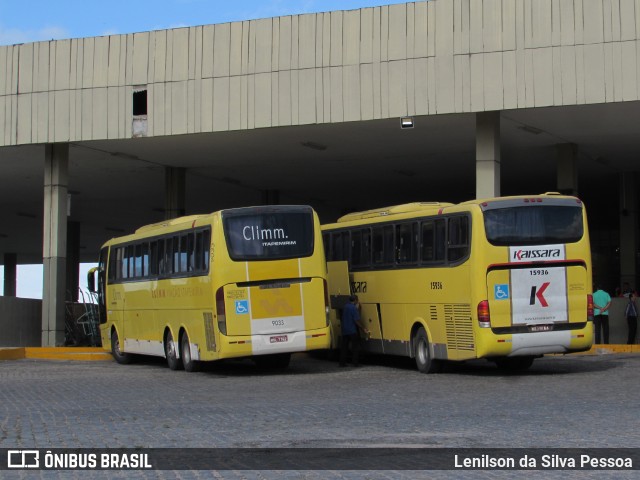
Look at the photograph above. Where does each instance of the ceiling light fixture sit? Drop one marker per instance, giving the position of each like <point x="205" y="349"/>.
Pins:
<point x="406" y="122"/>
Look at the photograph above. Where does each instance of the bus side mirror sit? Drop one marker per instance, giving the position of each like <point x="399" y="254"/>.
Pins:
<point x="91" y="279"/>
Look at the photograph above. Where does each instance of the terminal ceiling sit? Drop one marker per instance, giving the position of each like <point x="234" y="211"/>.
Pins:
<point x="118" y="185"/>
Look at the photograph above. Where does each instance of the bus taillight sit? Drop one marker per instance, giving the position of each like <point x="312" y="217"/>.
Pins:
<point x="590" y="308"/>
<point x="326" y="301"/>
<point x="221" y="311"/>
<point x="484" y="317"/>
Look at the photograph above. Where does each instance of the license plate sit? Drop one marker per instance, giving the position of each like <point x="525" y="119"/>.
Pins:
<point x="541" y="328"/>
<point x="279" y="339"/>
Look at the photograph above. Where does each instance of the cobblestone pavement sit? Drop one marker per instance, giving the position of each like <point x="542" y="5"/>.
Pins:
<point x="572" y="401"/>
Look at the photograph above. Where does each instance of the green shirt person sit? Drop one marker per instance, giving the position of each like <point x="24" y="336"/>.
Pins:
<point x="601" y="304"/>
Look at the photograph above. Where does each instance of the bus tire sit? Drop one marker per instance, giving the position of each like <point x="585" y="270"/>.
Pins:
<point x="120" y="357"/>
<point x="190" y="365"/>
<point x="171" y="352"/>
<point x="514" y="364"/>
<point x="421" y="351"/>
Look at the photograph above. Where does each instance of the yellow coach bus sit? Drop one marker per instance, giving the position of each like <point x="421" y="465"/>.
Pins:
<point x="507" y="279"/>
<point x="244" y="282"/>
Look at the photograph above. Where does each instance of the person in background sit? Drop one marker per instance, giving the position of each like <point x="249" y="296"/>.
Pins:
<point x="601" y="304"/>
<point x="349" y="326"/>
<point x="631" y="312"/>
<point x="626" y="291"/>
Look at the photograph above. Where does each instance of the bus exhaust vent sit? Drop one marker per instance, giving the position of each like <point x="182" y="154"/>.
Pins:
<point x="459" y="327"/>
<point x="433" y="311"/>
<point x="209" y="332"/>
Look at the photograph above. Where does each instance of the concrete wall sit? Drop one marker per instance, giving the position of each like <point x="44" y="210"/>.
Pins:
<point x="440" y="56"/>
<point x="20" y="322"/>
<point x="618" y="329"/>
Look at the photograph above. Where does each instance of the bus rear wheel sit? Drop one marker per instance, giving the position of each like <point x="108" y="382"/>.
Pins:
<point x="121" y="357"/>
<point x="190" y="365"/>
<point x="171" y="352"/>
<point x="424" y="361"/>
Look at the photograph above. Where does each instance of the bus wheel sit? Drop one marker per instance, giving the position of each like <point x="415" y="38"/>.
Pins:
<point x="514" y="364"/>
<point x="424" y="361"/>
<point x="171" y="352"/>
<point x="121" y="357"/>
<point x="188" y="362"/>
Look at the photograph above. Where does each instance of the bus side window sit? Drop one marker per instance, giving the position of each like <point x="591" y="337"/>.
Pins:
<point x="406" y="244"/>
<point x="356" y="247"/>
<point x="458" y="238"/>
<point x="112" y="265"/>
<point x="428" y="242"/>
<point x="206" y="242"/>
<point x="191" y="254"/>
<point x="154" y="262"/>
<point x="433" y="241"/>
<point x="145" y="259"/>
<point x="163" y="268"/>
<point x="138" y="261"/>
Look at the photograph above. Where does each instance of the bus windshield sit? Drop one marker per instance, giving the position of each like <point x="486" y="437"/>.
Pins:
<point x="533" y="225"/>
<point x="279" y="233"/>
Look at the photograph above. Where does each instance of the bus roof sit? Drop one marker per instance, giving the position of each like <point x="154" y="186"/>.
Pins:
<point x="170" y="223"/>
<point x="436" y="207"/>
<point x="394" y="210"/>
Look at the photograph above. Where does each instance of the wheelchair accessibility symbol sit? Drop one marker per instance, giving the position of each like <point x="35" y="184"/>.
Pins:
<point x="501" y="292"/>
<point x="242" y="306"/>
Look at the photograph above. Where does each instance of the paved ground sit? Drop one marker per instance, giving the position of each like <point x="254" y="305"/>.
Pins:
<point x="573" y="401"/>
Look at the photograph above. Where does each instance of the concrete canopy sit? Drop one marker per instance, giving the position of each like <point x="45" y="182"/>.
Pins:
<point x="310" y="106"/>
<point x="117" y="185"/>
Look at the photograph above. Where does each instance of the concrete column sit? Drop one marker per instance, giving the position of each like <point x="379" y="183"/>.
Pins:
<point x="270" y="197"/>
<point x="629" y="237"/>
<point x="487" y="154"/>
<point x="56" y="167"/>
<point x="73" y="260"/>
<point x="567" y="172"/>
<point x="174" y="206"/>
<point x="10" y="274"/>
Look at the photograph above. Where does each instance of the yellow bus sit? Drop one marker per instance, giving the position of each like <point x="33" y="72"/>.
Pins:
<point x="506" y="279"/>
<point x="243" y="282"/>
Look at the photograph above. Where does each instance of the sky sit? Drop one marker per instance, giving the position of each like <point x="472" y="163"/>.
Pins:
<point x="38" y="20"/>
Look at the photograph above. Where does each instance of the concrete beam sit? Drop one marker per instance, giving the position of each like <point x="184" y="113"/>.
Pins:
<point x="10" y="274"/>
<point x="567" y="169"/>
<point x="175" y="180"/>
<point x="629" y="235"/>
<point x="487" y="154"/>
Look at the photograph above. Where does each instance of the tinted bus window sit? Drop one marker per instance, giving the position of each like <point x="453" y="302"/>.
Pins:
<point x="458" y="238"/>
<point x="382" y="245"/>
<point x="433" y="241"/>
<point x="406" y="243"/>
<point x="269" y="235"/>
<point x="533" y="225"/>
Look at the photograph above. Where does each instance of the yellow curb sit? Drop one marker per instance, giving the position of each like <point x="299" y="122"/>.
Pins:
<point x="56" y="353"/>
<point x="602" y="349"/>
<point x="11" y="353"/>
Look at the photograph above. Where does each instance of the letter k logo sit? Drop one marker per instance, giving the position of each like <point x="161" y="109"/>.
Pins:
<point x="539" y="294"/>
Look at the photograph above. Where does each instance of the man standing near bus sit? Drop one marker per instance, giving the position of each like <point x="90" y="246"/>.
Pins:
<point x="601" y="304"/>
<point x="349" y="327"/>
